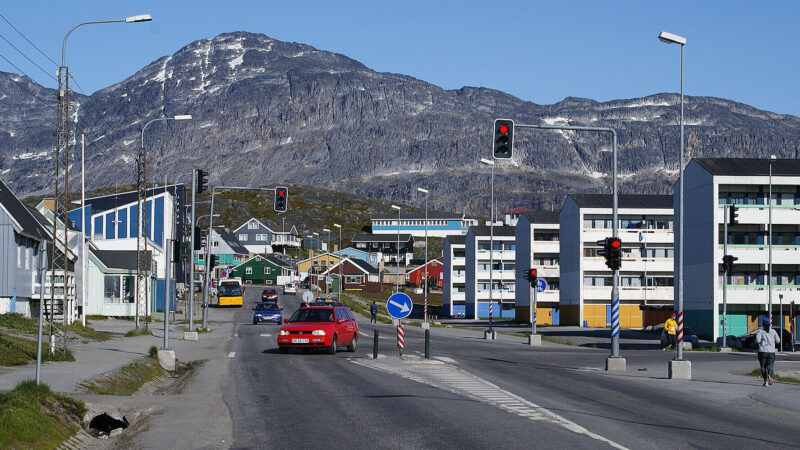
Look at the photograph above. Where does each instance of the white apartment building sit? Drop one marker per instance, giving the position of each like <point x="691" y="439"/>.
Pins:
<point x="501" y="268"/>
<point x="538" y="246"/>
<point x="454" y="277"/>
<point x="711" y="183"/>
<point x="646" y="277"/>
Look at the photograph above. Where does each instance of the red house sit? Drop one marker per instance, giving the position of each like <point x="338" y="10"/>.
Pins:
<point x="416" y="277"/>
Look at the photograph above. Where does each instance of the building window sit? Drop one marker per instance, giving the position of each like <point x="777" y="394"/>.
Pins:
<point x="353" y="279"/>
<point x="243" y="237"/>
<point x="248" y="270"/>
<point x="128" y="288"/>
<point x="111" y="289"/>
<point x="267" y="270"/>
<point x="215" y="243"/>
<point x="252" y="225"/>
<point x="261" y="237"/>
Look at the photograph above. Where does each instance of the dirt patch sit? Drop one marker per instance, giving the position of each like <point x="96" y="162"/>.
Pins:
<point x="124" y="381"/>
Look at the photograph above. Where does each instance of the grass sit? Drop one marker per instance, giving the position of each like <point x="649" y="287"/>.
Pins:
<point x="775" y="376"/>
<point x="95" y="317"/>
<point x="18" y="322"/>
<point x="139" y="332"/>
<point x="360" y="306"/>
<point x="32" y="416"/>
<point x="87" y="332"/>
<point x="17" y="351"/>
<point x="127" y="379"/>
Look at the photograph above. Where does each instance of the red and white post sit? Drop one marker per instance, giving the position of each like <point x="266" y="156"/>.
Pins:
<point x="400" y="339"/>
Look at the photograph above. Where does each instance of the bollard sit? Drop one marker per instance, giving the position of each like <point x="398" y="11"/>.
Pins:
<point x="375" y="346"/>
<point x="427" y="344"/>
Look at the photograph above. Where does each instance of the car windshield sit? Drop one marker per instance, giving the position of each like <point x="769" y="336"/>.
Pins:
<point x="313" y="315"/>
<point x="267" y="307"/>
<point x="230" y="289"/>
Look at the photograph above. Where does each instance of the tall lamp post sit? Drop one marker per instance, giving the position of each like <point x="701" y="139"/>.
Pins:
<point x="425" y="307"/>
<point x="491" y="255"/>
<point x="316" y="236"/>
<point x="772" y="159"/>
<point x="329" y="251"/>
<point x="397" y="272"/>
<point x="341" y="261"/>
<point x="142" y="277"/>
<point x="62" y="172"/>
<point x="670" y="38"/>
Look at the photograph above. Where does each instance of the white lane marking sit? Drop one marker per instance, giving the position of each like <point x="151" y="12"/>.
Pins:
<point x="363" y="334"/>
<point x="266" y="335"/>
<point x="445" y="359"/>
<point x="451" y="378"/>
<point x="232" y="355"/>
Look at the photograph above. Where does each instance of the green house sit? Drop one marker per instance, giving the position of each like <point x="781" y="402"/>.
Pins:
<point x="262" y="270"/>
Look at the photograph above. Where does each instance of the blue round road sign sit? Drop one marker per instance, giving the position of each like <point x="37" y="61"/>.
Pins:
<point x="541" y="285"/>
<point x="399" y="305"/>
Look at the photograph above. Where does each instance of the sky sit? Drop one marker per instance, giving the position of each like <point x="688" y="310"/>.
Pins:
<point x="539" y="51"/>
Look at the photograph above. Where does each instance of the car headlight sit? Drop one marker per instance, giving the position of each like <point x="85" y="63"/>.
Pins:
<point x="283" y="332"/>
<point x="318" y="332"/>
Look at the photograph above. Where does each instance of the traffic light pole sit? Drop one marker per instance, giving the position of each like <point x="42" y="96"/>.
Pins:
<point x="191" y="254"/>
<point x="725" y="279"/>
<point x="208" y="241"/>
<point x="614" y="362"/>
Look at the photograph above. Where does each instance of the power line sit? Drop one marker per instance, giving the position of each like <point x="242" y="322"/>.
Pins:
<point x="26" y="57"/>
<point x="20" y="85"/>
<point x="29" y="41"/>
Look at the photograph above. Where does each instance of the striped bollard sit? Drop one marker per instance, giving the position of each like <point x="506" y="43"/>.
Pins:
<point x="400" y="339"/>
<point x="615" y="327"/>
<point x="680" y="335"/>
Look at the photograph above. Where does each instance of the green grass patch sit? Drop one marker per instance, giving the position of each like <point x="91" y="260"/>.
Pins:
<point x="18" y="322"/>
<point x="126" y="380"/>
<point x="360" y="306"/>
<point x="87" y="332"/>
<point x="95" y="317"/>
<point x="17" y="351"/>
<point x="775" y="376"/>
<point x="32" y="416"/>
<point x="139" y="332"/>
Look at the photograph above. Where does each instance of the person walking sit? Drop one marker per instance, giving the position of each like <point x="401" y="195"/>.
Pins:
<point x="373" y="312"/>
<point x="766" y="338"/>
<point x="671" y="330"/>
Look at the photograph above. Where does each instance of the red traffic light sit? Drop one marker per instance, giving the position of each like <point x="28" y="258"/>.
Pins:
<point x="616" y="243"/>
<point x="503" y="129"/>
<point x="280" y="192"/>
<point x="533" y="272"/>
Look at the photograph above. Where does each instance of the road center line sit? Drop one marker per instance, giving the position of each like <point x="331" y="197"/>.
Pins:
<point x="266" y="335"/>
<point x="232" y="355"/>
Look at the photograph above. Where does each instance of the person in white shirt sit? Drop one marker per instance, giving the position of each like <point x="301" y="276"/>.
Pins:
<point x="766" y="338"/>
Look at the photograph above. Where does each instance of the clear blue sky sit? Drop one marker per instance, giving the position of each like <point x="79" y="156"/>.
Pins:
<point x="742" y="50"/>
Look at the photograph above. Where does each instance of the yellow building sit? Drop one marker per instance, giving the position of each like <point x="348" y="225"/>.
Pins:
<point x="317" y="264"/>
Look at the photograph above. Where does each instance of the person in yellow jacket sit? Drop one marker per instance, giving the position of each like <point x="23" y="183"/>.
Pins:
<point x="671" y="330"/>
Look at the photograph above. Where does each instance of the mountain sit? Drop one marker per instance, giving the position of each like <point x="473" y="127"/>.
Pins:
<point x="268" y="112"/>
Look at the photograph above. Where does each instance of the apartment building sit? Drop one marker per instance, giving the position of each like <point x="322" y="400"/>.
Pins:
<point x="710" y="184"/>
<point x="454" y="277"/>
<point x="538" y="246"/>
<point x="646" y="277"/>
<point x="485" y="271"/>
<point x="438" y="224"/>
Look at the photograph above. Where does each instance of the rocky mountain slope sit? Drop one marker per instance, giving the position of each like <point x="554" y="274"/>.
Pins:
<point x="269" y="112"/>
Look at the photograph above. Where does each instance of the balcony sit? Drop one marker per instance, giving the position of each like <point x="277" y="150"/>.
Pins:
<point x="496" y="295"/>
<point x="546" y="247"/>
<point x="629" y="235"/>
<point x="759" y="214"/>
<point x="497" y="255"/>
<point x="548" y="271"/>
<point x="759" y="253"/>
<point x="629" y="293"/>
<point x="757" y="293"/>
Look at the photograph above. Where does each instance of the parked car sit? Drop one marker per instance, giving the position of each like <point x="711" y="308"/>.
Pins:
<point x="267" y="312"/>
<point x="269" y="295"/>
<point x="320" y="325"/>
<point x="290" y="288"/>
<point x="748" y="341"/>
<point x="688" y="336"/>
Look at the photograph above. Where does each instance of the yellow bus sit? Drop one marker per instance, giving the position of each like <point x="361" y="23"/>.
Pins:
<point x="229" y="292"/>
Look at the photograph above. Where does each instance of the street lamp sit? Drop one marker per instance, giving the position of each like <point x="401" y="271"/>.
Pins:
<point x="772" y="159"/>
<point x="491" y="255"/>
<point x="425" y="308"/>
<point x="341" y="261"/>
<point x="670" y="38"/>
<point x="328" y="251"/>
<point x="397" y="272"/>
<point x="141" y="219"/>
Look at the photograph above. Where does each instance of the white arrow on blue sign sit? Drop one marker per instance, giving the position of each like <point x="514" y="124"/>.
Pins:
<point x="399" y="305"/>
<point x="541" y="285"/>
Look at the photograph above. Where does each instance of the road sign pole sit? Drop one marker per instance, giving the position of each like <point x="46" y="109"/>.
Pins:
<point x="191" y="255"/>
<point x="533" y="321"/>
<point x="400" y="338"/>
<point x="725" y="275"/>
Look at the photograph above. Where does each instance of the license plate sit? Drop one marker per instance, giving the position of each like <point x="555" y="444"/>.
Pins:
<point x="299" y="341"/>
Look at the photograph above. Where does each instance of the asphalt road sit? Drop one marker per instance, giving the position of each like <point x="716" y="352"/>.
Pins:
<point x="309" y="399"/>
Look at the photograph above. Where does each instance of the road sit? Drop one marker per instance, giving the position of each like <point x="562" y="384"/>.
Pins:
<point x="487" y="394"/>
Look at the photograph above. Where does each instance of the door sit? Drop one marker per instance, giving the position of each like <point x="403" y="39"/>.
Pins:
<point x="555" y="316"/>
<point x="608" y="315"/>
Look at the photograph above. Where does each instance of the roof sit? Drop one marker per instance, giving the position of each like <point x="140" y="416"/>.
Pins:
<point x="365" y="266"/>
<point x="326" y="254"/>
<point x="368" y="237"/>
<point x="248" y="221"/>
<point x="749" y="166"/>
<point x="277" y="261"/>
<point x="20" y="213"/>
<point x="234" y="243"/>
<point x="120" y="259"/>
<point x="541" y="216"/>
<point x="456" y="239"/>
<point x="517" y="211"/>
<point x="422" y="267"/>
<point x="420" y="216"/>
<point x="624" y="201"/>
<point x="499" y="230"/>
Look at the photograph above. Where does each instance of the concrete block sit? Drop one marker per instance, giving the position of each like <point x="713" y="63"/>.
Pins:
<point x="190" y="336"/>
<point x="535" y="340"/>
<point x="680" y="370"/>
<point x="616" y="364"/>
<point x="724" y="349"/>
<point x="395" y="322"/>
<point x="167" y="359"/>
<point x="490" y="335"/>
<point x="687" y="345"/>
<point x="425" y="325"/>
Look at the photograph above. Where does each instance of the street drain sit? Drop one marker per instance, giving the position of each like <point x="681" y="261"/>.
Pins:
<point x="103" y="425"/>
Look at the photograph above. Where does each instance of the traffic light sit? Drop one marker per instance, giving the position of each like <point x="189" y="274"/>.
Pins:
<point x="503" y="143"/>
<point x="281" y="199"/>
<point x="213" y="260"/>
<point x="531" y="275"/>
<point x="199" y="237"/>
<point x="176" y="251"/>
<point x="202" y="181"/>
<point x="727" y="263"/>
<point x="612" y="251"/>
<point x="733" y="215"/>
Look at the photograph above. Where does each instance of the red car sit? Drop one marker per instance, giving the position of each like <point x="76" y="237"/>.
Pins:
<point x="319" y="325"/>
<point x="269" y="295"/>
